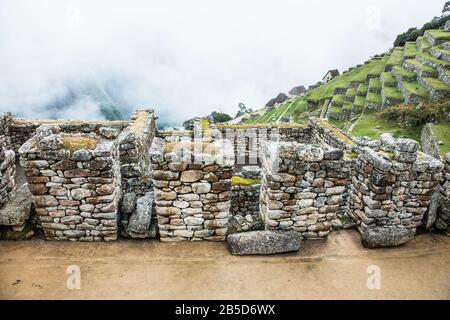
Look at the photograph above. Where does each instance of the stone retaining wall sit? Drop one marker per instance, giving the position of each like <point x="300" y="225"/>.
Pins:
<point x="302" y="188"/>
<point x="75" y="182"/>
<point x="193" y="198"/>
<point x="248" y="141"/>
<point x="393" y="187"/>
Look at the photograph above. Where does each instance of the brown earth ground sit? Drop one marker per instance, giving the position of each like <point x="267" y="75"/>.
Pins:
<point x="333" y="269"/>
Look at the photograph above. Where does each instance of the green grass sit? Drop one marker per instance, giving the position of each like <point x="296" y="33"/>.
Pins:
<point x="416" y="89"/>
<point x="338" y="98"/>
<point x="371" y="125"/>
<point x="423" y="43"/>
<point x="347" y="107"/>
<point x="395" y="58"/>
<point x="363" y="88"/>
<point x="351" y="92"/>
<point x="389" y="77"/>
<point x="357" y="74"/>
<point x="336" y="110"/>
<point x="442" y="131"/>
<point x="439" y="34"/>
<point x="410" y="49"/>
<point x="360" y="101"/>
<point x="374" y="83"/>
<point x="420" y="66"/>
<point x="392" y="92"/>
<point x="429" y="57"/>
<point x="437" y="84"/>
<point x="374" y="98"/>
<point x="404" y="72"/>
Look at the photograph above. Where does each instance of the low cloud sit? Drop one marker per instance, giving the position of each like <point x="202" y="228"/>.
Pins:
<point x="186" y="58"/>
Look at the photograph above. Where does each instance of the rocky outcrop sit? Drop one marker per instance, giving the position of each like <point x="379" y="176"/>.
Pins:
<point x="264" y="242"/>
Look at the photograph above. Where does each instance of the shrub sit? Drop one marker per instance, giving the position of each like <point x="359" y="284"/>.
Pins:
<point x="410" y="115"/>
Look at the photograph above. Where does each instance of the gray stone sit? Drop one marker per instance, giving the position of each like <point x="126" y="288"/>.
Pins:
<point x="376" y="159"/>
<point x="407" y="145"/>
<point x="18" y="210"/>
<point x="81" y="155"/>
<point x="392" y="236"/>
<point x="141" y="218"/>
<point x="264" y="242"/>
<point x="201" y="188"/>
<point x="128" y="202"/>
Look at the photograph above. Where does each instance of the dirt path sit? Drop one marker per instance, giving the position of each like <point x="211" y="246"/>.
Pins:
<point x="151" y="270"/>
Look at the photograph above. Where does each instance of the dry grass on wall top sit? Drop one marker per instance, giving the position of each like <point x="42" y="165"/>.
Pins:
<point x="239" y="181"/>
<point x="205" y="126"/>
<point x="74" y="143"/>
<point x="187" y="146"/>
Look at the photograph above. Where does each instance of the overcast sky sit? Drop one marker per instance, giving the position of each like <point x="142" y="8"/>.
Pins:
<point x="187" y="58"/>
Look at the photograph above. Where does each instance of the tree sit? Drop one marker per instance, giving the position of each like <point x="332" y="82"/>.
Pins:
<point x="243" y="110"/>
<point x="189" y="124"/>
<point x="446" y="9"/>
<point x="219" y="117"/>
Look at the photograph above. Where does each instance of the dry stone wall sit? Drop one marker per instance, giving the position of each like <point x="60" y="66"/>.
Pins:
<point x="134" y="146"/>
<point x="75" y="182"/>
<point x="21" y="130"/>
<point x="192" y="194"/>
<point x="393" y="188"/>
<point x="303" y="188"/>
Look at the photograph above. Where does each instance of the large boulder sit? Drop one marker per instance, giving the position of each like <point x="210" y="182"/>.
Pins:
<point x="18" y="210"/>
<point x="381" y="237"/>
<point x="140" y="222"/>
<point x="264" y="242"/>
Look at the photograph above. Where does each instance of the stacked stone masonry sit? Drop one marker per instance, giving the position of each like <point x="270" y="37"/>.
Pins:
<point x="94" y="181"/>
<point x="192" y="194"/>
<point x="75" y="189"/>
<point x="303" y="187"/>
<point x="393" y="187"/>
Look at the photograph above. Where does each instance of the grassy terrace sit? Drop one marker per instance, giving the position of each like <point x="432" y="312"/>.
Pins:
<point x="374" y="83"/>
<point x="393" y="92"/>
<point x="338" y="98"/>
<point x="416" y="89"/>
<point x="260" y="125"/>
<point x="374" y="98"/>
<point x="389" y="77"/>
<point x="423" y="43"/>
<point x="437" y="84"/>
<point x="410" y="50"/>
<point x="371" y="125"/>
<point x="343" y="81"/>
<point x="360" y="101"/>
<point x="396" y="57"/>
<point x="420" y="66"/>
<point x="351" y="92"/>
<point x="439" y="34"/>
<point x="427" y="56"/>
<point x="442" y="131"/>
<point x="362" y="89"/>
<point x="347" y="106"/>
<point x="405" y="73"/>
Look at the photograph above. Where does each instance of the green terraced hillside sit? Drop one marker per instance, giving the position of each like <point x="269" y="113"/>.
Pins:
<point x="419" y="71"/>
